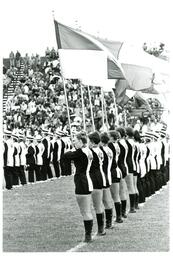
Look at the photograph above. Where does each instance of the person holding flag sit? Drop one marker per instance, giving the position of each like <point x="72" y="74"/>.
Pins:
<point x="98" y="179"/>
<point x="82" y="158"/>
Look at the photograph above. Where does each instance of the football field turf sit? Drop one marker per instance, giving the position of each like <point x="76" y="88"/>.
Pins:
<point x="45" y="217"/>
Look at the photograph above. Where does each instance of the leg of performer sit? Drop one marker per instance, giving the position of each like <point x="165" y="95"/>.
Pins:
<point x="131" y="191"/>
<point x="97" y="197"/>
<point x="84" y="203"/>
<point x="136" y="191"/>
<point x="107" y="201"/>
<point x="22" y="176"/>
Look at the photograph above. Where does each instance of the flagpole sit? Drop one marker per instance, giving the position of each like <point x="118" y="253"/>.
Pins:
<point x="65" y="92"/>
<point x="83" y="107"/>
<point x="92" y="116"/>
<point x="116" y="110"/>
<point x="102" y="106"/>
<point x="125" y="118"/>
<point x="68" y="113"/>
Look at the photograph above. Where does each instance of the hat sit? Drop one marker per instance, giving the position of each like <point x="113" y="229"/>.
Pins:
<point x="21" y="135"/>
<point x="7" y="132"/>
<point x="15" y="135"/>
<point x="38" y="137"/>
<point x="50" y="134"/>
<point x="45" y="130"/>
<point x="58" y="133"/>
<point x="75" y="124"/>
<point x="29" y="137"/>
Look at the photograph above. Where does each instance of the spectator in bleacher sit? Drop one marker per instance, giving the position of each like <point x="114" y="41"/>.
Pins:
<point x="17" y="59"/>
<point x="12" y="60"/>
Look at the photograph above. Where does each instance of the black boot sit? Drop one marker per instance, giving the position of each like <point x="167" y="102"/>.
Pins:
<point x="108" y="213"/>
<point x="118" y="209"/>
<point x="88" y="224"/>
<point x="100" y="223"/>
<point x="132" y="203"/>
<point x="136" y="201"/>
<point x="123" y="204"/>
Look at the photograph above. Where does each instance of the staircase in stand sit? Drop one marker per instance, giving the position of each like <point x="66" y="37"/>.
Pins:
<point x="11" y="87"/>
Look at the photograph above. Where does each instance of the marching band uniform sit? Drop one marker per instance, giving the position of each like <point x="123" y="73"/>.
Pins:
<point x="8" y="160"/>
<point x="31" y="160"/>
<point x="122" y="164"/>
<point x="131" y="168"/>
<point x="16" y="160"/>
<point x="83" y="158"/>
<point x="116" y="175"/>
<point x="46" y="170"/>
<point x="39" y="158"/>
<point x="23" y="152"/>
<point x="62" y="162"/>
<point x="56" y="155"/>
<point x="67" y="164"/>
<point x="98" y="179"/>
<point x="107" y="163"/>
<point x="96" y="170"/>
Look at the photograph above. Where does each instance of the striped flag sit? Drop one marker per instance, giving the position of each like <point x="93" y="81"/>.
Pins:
<point x="82" y="56"/>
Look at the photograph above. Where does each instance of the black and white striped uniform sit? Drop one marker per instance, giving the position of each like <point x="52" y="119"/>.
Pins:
<point x="107" y="163"/>
<point x="122" y="163"/>
<point x="130" y="156"/>
<point x="116" y="174"/>
<point x="96" y="171"/>
<point x="82" y="160"/>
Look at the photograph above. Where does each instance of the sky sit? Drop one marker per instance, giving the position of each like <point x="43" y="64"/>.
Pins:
<point x="27" y="25"/>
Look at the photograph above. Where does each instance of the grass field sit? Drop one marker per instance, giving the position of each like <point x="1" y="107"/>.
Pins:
<point x="44" y="217"/>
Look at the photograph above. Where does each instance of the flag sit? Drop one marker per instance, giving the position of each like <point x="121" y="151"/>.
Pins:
<point x="82" y="56"/>
<point x="141" y="101"/>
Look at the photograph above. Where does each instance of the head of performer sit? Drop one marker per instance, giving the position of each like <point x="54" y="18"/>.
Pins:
<point x="104" y="138"/>
<point x="114" y="136"/>
<point x="94" y="139"/>
<point x="80" y="140"/>
<point x="137" y="136"/>
<point x="129" y="133"/>
<point x="122" y="132"/>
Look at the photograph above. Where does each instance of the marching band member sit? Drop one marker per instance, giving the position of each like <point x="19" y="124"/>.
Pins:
<point x="122" y="164"/>
<point x="98" y="180"/>
<point x="130" y="178"/>
<point x="116" y="175"/>
<point x="137" y="140"/>
<point x="56" y="154"/>
<point x="31" y="159"/>
<point x="66" y="146"/>
<point x="61" y="152"/>
<point x="16" y="160"/>
<point x="39" y="147"/>
<point x="8" y="159"/>
<point x="82" y="157"/>
<point x="107" y="163"/>
<point x="23" y="152"/>
<point x="46" y="170"/>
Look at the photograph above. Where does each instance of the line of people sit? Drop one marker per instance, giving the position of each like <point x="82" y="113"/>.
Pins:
<point x="114" y="166"/>
<point x="38" y="157"/>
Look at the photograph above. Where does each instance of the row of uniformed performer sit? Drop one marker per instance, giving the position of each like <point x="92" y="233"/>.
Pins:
<point x="153" y="162"/>
<point x="41" y="156"/>
<point x="107" y="167"/>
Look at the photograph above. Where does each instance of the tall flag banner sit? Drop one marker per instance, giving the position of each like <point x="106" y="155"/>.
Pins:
<point x="82" y="56"/>
<point x="143" y="71"/>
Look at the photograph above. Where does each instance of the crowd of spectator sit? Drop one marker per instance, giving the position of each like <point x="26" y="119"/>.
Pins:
<point x="39" y="101"/>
